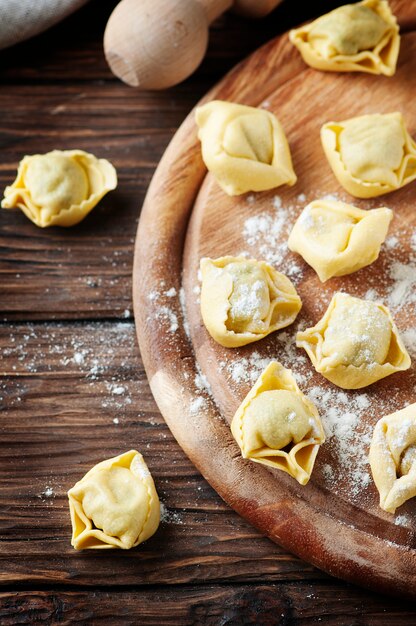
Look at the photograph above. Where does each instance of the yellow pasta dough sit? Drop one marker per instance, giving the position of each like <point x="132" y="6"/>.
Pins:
<point x="243" y="300"/>
<point x="393" y="458"/>
<point x="337" y="238"/>
<point x="371" y="154"/>
<point x="245" y="148"/>
<point x="277" y="426"/>
<point x="59" y="188"/>
<point x="355" y="344"/>
<point x="362" y="37"/>
<point x="115" y="505"/>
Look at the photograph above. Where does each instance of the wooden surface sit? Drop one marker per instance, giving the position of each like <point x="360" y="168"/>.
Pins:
<point x="67" y="342"/>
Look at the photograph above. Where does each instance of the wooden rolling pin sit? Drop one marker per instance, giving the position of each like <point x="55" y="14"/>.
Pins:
<point x="154" y="44"/>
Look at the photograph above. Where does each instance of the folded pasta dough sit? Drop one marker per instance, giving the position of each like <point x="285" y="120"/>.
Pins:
<point x="243" y="300"/>
<point x="371" y="154"/>
<point x="115" y="505"/>
<point x="393" y="458"/>
<point x="336" y="238"/>
<point x="362" y="37"/>
<point x="355" y="344"/>
<point x="245" y="148"/>
<point x="277" y="426"/>
<point x="59" y="188"/>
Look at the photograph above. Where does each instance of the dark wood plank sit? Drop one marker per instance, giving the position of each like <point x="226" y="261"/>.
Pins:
<point x="297" y="604"/>
<point x="46" y="58"/>
<point x="59" y="93"/>
<point x="63" y="386"/>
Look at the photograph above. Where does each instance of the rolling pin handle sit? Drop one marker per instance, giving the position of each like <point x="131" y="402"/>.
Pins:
<point x="155" y="44"/>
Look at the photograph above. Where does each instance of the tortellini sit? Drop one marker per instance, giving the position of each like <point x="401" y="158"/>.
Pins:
<point x="115" y="505"/>
<point x="362" y="37"/>
<point x="59" y="188"/>
<point x="243" y="300"/>
<point x="393" y="458"/>
<point x="371" y="154"/>
<point x="337" y="238"/>
<point x="277" y="426"/>
<point x="245" y="148"/>
<point x="355" y="344"/>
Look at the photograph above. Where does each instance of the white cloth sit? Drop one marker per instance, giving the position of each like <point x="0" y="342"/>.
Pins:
<point x="21" y="19"/>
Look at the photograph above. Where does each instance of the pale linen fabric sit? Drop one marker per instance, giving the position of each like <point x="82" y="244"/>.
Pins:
<point x="21" y="19"/>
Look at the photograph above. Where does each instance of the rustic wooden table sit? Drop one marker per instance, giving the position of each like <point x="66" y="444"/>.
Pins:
<point x="73" y="389"/>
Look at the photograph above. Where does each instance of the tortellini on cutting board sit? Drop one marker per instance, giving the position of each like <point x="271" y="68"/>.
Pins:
<point x="115" y="505"/>
<point x="59" y="188"/>
<point x="336" y="238"/>
<point x="355" y="344"/>
<point x="393" y="458"/>
<point x="245" y="148"/>
<point x="276" y="425"/>
<point x="243" y="300"/>
<point x="371" y="154"/>
<point x="362" y="37"/>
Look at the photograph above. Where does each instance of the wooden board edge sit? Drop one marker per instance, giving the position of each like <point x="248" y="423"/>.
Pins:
<point x="168" y="356"/>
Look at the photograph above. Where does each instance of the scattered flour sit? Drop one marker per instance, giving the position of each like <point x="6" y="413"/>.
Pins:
<point x="169" y="516"/>
<point x="402" y="520"/>
<point x="403" y="290"/>
<point x="348" y="434"/>
<point x="409" y="338"/>
<point x="392" y="242"/>
<point x="268" y="233"/>
<point x="197" y="404"/>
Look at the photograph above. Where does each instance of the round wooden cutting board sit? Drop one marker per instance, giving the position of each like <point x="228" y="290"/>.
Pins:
<point x="334" y="522"/>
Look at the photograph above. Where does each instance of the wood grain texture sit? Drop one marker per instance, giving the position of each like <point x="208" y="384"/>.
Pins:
<point x="312" y="522"/>
<point x="265" y="604"/>
<point x="62" y="387"/>
<point x="58" y="408"/>
<point x="59" y="93"/>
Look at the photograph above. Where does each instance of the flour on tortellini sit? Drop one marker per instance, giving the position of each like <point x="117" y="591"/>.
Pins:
<point x="115" y="505"/>
<point x="243" y="300"/>
<point x="277" y="426"/>
<point x="337" y="238"/>
<point x="393" y="458"/>
<point x="362" y="37"/>
<point x="59" y="188"/>
<point x="245" y="148"/>
<point x="371" y="154"/>
<point x="355" y="344"/>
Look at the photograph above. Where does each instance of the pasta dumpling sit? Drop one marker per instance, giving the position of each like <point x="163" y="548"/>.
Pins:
<point x="277" y="426"/>
<point x="362" y="37"/>
<point x="243" y="300"/>
<point x="355" y="344"/>
<point x="59" y="188"/>
<point x="115" y="505"/>
<point x="371" y="154"/>
<point x="245" y="148"/>
<point x="337" y="238"/>
<point x="393" y="458"/>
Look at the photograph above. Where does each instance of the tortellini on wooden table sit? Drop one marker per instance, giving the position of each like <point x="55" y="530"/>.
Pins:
<point x="355" y="343"/>
<point x="245" y="148"/>
<point x="393" y="458"/>
<point x="362" y="37"/>
<point x="277" y="426"/>
<point x="371" y="154"/>
<point x="336" y="238"/>
<point x="59" y="188"/>
<point x="243" y="300"/>
<point x="115" y="505"/>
